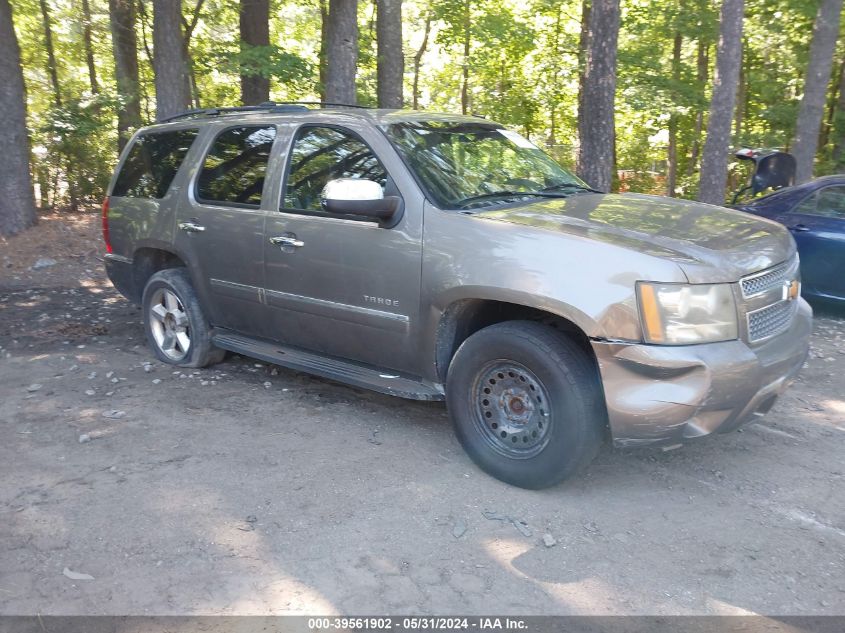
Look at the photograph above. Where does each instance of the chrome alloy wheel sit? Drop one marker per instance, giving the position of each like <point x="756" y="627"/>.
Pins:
<point x="169" y="324"/>
<point x="513" y="410"/>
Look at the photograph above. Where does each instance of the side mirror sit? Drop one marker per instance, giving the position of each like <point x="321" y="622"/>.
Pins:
<point x="360" y="197"/>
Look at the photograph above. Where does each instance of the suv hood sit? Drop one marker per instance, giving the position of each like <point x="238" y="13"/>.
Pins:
<point x="709" y="243"/>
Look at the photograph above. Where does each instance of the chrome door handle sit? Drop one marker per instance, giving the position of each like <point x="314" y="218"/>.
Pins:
<point x="284" y="240"/>
<point x="191" y="227"/>
<point x="799" y="228"/>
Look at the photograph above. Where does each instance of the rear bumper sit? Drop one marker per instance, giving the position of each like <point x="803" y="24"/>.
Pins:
<point x="121" y="273"/>
<point x="665" y="395"/>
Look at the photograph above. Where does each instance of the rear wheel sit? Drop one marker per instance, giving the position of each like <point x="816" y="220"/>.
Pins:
<point x="175" y="325"/>
<point x="526" y="403"/>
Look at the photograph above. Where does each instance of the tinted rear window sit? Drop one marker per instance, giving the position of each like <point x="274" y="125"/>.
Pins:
<point x="152" y="163"/>
<point x="234" y="168"/>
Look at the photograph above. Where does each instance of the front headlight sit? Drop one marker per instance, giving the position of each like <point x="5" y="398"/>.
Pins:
<point x="685" y="314"/>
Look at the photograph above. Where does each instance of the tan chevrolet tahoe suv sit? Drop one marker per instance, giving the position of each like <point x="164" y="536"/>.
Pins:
<point x="445" y="257"/>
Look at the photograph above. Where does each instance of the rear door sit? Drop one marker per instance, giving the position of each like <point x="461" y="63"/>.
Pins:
<point x="220" y="226"/>
<point x="347" y="288"/>
<point x="818" y="225"/>
<point x="145" y="192"/>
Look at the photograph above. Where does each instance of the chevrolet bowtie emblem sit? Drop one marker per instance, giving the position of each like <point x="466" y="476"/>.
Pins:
<point x="791" y="290"/>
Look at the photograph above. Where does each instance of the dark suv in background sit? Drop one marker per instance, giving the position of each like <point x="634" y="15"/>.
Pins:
<point x="437" y="257"/>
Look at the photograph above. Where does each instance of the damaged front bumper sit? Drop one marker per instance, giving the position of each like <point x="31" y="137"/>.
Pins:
<point x="659" y="395"/>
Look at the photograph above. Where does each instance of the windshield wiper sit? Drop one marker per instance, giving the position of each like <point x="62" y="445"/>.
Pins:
<point x="543" y="193"/>
<point x="570" y="185"/>
<point x="493" y="194"/>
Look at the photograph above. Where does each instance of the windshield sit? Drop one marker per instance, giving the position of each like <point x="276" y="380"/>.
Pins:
<point x="466" y="165"/>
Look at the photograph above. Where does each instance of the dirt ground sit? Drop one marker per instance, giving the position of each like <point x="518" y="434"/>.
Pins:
<point x="245" y="488"/>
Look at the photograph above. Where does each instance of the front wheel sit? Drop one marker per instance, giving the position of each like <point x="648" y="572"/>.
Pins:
<point x="526" y="403"/>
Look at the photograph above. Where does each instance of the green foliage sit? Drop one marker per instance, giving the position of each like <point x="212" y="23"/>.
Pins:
<point x="74" y="149"/>
<point x="269" y="61"/>
<point x="522" y="62"/>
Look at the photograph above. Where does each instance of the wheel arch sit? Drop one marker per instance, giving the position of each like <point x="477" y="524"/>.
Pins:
<point x="147" y="261"/>
<point x="464" y="317"/>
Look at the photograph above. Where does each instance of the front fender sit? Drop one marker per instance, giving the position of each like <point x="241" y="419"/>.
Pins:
<point x="456" y="294"/>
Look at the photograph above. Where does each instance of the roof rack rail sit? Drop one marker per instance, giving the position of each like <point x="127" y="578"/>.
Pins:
<point x="322" y="104"/>
<point x="267" y="106"/>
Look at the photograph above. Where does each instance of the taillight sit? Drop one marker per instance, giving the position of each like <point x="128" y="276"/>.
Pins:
<point x="106" y="225"/>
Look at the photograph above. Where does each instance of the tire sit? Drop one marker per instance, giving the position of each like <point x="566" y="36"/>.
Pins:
<point x="174" y="322"/>
<point x="526" y="403"/>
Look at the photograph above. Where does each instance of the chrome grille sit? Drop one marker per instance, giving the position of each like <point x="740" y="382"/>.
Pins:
<point x="767" y="306"/>
<point x="771" y="320"/>
<point x="761" y="282"/>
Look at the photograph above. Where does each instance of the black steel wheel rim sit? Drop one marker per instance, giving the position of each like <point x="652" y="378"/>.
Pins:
<point x="512" y="410"/>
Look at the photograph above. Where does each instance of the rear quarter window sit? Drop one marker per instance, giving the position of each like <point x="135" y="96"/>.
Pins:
<point x="152" y="163"/>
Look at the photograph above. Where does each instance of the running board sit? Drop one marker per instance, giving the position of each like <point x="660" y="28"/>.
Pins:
<point x="349" y="372"/>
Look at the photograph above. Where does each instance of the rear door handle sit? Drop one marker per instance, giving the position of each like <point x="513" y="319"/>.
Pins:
<point x="799" y="228"/>
<point x="191" y="227"/>
<point x="287" y="240"/>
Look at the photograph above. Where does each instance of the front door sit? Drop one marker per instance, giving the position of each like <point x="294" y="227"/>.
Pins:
<point x="336" y="285"/>
<point x="220" y="227"/>
<point x="818" y="226"/>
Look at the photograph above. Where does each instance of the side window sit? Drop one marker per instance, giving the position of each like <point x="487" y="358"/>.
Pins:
<point x="321" y="154"/>
<point x="831" y="203"/>
<point x="152" y="163"/>
<point x="808" y="205"/>
<point x="234" y="168"/>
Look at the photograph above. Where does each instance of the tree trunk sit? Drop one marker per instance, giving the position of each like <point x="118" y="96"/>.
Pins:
<point x="342" y="51"/>
<point x="324" y="46"/>
<point x="555" y="72"/>
<point x="702" y="70"/>
<point x="583" y="49"/>
<point x="371" y="31"/>
<point x="192" y="77"/>
<point x="672" y="152"/>
<point x="89" y="49"/>
<point x="255" y="31"/>
<point x="52" y="70"/>
<point x="188" y="32"/>
<point x="17" y="204"/>
<point x="597" y="102"/>
<point x="391" y="56"/>
<point x="825" y="33"/>
<point x="835" y="86"/>
<point x="465" y="105"/>
<point x="125" y="48"/>
<point x="145" y="23"/>
<point x="739" y="109"/>
<point x="838" y="125"/>
<point x="172" y="82"/>
<point x="418" y="62"/>
<point x="714" y="158"/>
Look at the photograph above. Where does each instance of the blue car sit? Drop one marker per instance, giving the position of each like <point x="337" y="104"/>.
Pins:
<point x="814" y="212"/>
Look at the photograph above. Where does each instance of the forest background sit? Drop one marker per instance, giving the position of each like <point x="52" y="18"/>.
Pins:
<point x="648" y="96"/>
